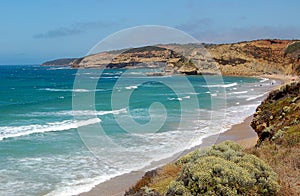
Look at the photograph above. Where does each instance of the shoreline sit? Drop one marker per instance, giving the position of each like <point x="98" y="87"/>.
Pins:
<point x="242" y="133"/>
<point x="284" y="79"/>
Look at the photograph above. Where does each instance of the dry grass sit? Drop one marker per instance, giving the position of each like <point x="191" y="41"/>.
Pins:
<point x="143" y="182"/>
<point x="285" y="162"/>
<point x="165" y="176"/>
<point x="158" y="179"/>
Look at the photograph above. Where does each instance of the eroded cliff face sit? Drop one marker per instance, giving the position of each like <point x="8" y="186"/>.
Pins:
<point x="278" y="117"/>
<point x="244" y="58"/>
<point x="170" y="59"/>
<point x="257" y="57"/>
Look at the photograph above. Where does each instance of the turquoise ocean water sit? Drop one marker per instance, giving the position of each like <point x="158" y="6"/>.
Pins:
<point x="42" y="152"/>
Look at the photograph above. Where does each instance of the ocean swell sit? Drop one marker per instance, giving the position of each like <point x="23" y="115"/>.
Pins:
<point x="17" y="131"/>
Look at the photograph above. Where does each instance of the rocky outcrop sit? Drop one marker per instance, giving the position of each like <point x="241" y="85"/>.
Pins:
<point x="277" y="123"/>
<point x="278" y="116"/>
<point x="244" y="58"/>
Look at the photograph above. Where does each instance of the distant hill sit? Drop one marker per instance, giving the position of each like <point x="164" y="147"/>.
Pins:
<point x="63" y="62"/>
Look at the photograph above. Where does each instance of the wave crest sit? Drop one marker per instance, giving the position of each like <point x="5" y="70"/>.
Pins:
<point x="17" y="131"/>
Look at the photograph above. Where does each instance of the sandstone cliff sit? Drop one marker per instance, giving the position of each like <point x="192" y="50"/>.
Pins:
<point x="279" y="115"/>
<point x="165" y="58"/>
<point x="258" y="57"/>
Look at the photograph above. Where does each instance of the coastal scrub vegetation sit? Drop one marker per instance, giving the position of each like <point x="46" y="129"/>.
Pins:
<point x="223" y="169"/>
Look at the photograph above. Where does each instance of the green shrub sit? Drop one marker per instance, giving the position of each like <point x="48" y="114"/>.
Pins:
<point x="265" y="177"/>
<point x="214" y="175"/>
<point x="223" y="169"/>
<point x="227" y="150"/>
<point x="292" y="48"/>
<point x="177" y="188"/>
<point x="292" y="135"/>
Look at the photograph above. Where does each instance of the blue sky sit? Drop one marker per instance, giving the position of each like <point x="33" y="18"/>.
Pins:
<point x="35" y="31"/>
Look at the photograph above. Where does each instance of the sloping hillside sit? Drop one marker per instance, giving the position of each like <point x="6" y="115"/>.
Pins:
<point x="258" y="57"/>
<point x="277" y="123"/>
<point x="60" y="62"/>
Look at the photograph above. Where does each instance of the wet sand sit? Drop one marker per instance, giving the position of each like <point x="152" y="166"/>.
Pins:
<point x="242" y="133"/>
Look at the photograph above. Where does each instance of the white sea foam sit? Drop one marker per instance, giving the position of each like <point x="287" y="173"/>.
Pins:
<point x="75" y="113"/>
<point x="193" y="93"/>
<point x="221" y="122"/>
<point x="131" y="87"/>
<point x="93" y="77"/>
<point x="99" y="77"/>
<point x="70" y="90"/>
<point x="256" y="96"/>
<point x="179" y="98"/>
<point x="237" y="93"/>
<point x="58" y="68"/>
<point x="80" y="186"/>
<point x="264" y="80"/>
<point x="17" y="131"/>
<point x="220" y="85"/>
<point x="152" y="143"/>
